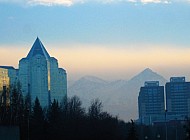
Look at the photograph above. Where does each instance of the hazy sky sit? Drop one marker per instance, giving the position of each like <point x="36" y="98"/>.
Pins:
<point x="112" y="39"/>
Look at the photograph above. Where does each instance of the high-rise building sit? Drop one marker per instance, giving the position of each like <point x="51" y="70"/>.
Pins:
<point x="11" y="73"/>
<point x="178" y="97"/>
<point x="151" y="102"/>
<point x="8" y="77"/>
<point x="4" y="78"/>
<point x="41" y="77"/>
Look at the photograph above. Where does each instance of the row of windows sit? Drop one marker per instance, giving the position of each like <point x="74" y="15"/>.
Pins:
<point x="179" y="105"/>
<point x="152" y="97"/>
<point x="153" y="108"/>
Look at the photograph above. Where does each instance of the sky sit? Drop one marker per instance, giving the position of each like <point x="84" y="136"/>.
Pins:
<point x="110" y="39"/>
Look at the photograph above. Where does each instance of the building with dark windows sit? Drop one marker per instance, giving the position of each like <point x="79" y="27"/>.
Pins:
<point x="151" y="102"/>
<point x="178" y="98"/>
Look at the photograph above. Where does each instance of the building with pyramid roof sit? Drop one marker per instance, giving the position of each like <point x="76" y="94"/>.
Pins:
<point x="40" y="76"/>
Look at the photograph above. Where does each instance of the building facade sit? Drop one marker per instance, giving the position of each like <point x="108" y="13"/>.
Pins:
<point x="10" y="73"/>
<point x="178" y="97"/>
<point x="41" y="77"/>
<point x="8" y="77"/>
<point x="151" y="102"/>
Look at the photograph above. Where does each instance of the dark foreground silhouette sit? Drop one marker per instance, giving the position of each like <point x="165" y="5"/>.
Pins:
<point x="68" y="120"/>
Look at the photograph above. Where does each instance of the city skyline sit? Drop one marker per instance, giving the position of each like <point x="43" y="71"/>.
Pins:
<point x="113" y="40"/>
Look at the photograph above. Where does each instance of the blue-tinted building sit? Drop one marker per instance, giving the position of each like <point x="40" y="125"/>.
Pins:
<point x="151" y="102"/>
<point x="40" y="76"/>
<point x="178" y="97"/>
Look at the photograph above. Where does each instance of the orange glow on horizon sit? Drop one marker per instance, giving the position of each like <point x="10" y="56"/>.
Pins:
<point x="104" y="61"/>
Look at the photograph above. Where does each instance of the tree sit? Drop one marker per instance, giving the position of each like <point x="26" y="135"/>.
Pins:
<point x="37" y="113"/>
<point x="54" y="112"/>
<point x="95" y="109"/>
<point x="74" y="118"/>
<point x="75" y="109"/>
<point x="28" y="104"/>
<point x="37" y="121"/>
<point x="102" y="125"/>
<point x="132" y="134"/>
<point x="16" y="105"/>
<point x="54" y="120"/>
<point x="4" y="108"/>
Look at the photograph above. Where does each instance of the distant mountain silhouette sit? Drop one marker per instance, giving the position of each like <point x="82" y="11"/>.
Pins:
<point x="118" y="97"/>
<point x="87" y="86"/>
<point x="147" y="75"/>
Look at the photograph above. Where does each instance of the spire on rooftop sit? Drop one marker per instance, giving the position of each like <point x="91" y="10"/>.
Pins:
<point x="38" y="48"/>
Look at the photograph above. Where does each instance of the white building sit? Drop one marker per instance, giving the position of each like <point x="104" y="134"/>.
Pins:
<point x="41" y="77"/>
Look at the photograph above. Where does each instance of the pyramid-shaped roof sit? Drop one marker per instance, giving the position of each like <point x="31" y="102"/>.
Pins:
<point x="38" y="48"/>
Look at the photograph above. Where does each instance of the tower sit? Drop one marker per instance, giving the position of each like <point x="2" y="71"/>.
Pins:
<point x="40" y="75"/>
<point x="178" y="97"/>
<point x="8" y="78"/>
<point x="151" y="102"/>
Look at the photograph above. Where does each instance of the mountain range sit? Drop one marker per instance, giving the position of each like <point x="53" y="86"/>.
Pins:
<point x="118" y="97"/>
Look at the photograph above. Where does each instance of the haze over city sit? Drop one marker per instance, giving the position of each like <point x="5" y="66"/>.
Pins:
<point x="95" y="69"/>
<point x="109" y="39"/>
